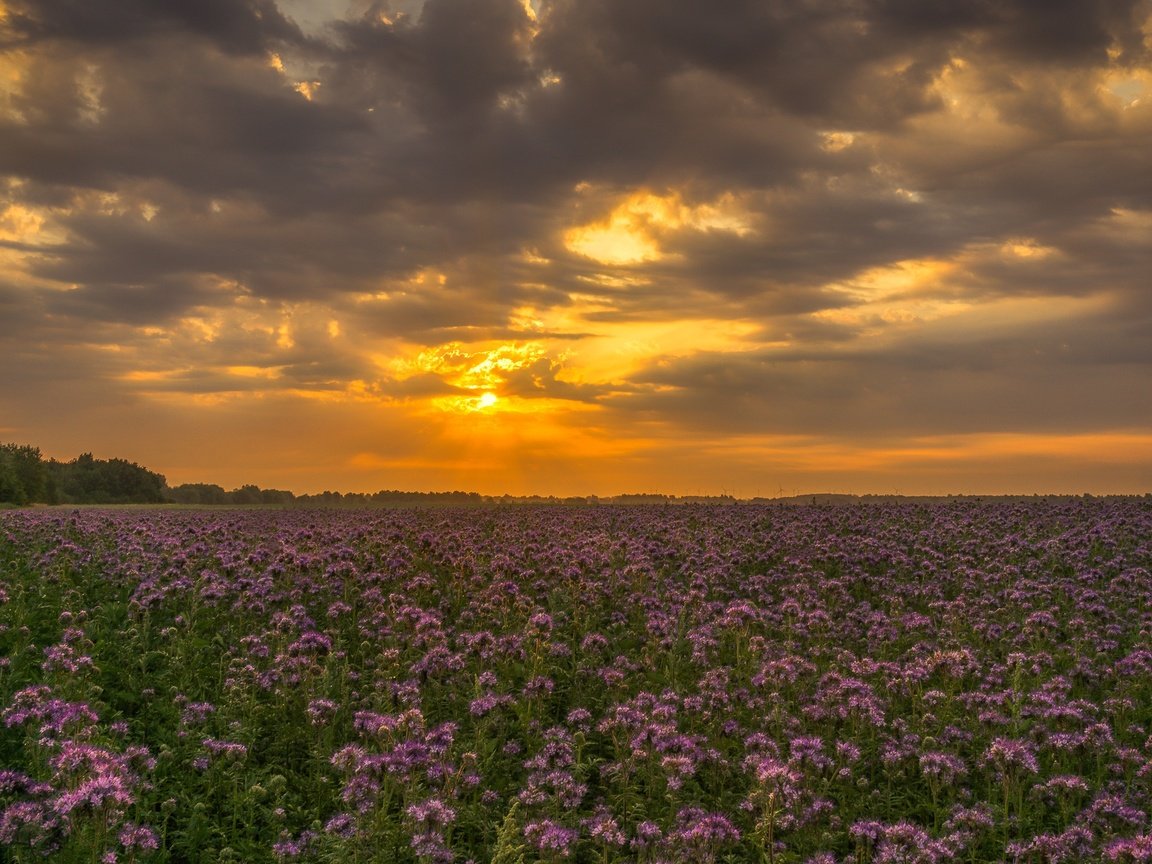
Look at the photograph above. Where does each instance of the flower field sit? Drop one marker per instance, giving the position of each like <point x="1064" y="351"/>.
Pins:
<point x="885" y="683"/>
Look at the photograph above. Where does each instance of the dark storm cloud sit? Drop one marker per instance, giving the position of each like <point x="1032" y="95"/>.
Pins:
<point x="156" y="301"/>
<point x="648" y="92"/>
<point x="159" y="254"/>
<point x="1057" y="31"/>
<point x="182" y="114"/>
<point x="453" y="72"/>
<point x="810" y="59"/>
<point x="237" y="25"/>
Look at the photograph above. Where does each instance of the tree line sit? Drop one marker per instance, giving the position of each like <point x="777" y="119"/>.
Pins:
<point x="26" y="477"/>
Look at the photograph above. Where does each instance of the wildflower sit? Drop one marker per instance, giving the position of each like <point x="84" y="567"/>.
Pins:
<point x="320" y="711"/>
<point x="230" y="750"/>
<point x="194" y="713"/>
<point x="603" y="827"/>
<point x="431" y="812"/>
<point x="580" y="718"/>
<point x="547" y="836"/>
<point x="487" y="703"/>
<point x="698" y="828"/>
<point x="943" y="767"/>
<point x="647" y="834"/>
<point x="341" y="825"/>
<point x="133" y="836"/>
<point x="1008" y="756"/>
<point x="287" y="848"/>
<point x="1137" y="850"/>
<point x="1071" y="845"/>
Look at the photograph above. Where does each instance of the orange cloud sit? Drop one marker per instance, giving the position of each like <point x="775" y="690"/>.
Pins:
<point x="631" y="233"/>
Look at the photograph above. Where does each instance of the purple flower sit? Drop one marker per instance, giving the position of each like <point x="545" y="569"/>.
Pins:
<point x="1137" y="850"/>
<point x="943" y="767"/>
<point x="320" y="711"/>
<point x="546" y="836"/>
<point x="697" y="828"/>
<point x="287" y="848"/>
<point x="1010" y="756"/>
<point x="431" y="812"/>
<point x="230" y="750"/>
<point x="483" y="705"/>
<point x="603" y="827"/>
<point x="341" y="825"/>
<point x="133" y="836"/>
<point x="1074" y="844"/>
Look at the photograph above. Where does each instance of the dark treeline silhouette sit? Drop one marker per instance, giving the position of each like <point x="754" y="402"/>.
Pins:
<point x="391" y="498"/>
<point x="210" y="493"/>
<point x="27" y="478"/>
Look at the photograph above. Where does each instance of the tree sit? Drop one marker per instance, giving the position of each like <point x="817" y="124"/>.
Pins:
<point x="87" y="480"/>
<point x="198" y="493"/>
<point x="11" y="489"/>
<point x="126" y="482"/>
<point x="23" y="474"/>
<point x="247" y="494"/>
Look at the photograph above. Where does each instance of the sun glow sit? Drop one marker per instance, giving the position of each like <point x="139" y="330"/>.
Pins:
<point x="19" y="223"/>
<point x="484" y="403"/>
<point x="907" y="292"/>
<point x="632" y="232"/>
<point x="472" y="368"/>
<point x="497" y="378"/>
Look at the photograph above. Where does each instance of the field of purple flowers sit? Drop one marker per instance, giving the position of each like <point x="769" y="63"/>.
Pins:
<point x="954" y="683"/>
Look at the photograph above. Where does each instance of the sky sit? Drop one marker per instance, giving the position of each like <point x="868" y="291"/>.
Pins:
<point x="578" y="247"/>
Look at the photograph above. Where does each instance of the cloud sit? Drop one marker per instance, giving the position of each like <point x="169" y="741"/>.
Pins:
<point x="853" y="219"/>
<point x="244" y="27"/>
<point x="1015" y="368"/>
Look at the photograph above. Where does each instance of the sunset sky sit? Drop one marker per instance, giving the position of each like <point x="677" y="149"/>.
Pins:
<point x="752" y="247"/>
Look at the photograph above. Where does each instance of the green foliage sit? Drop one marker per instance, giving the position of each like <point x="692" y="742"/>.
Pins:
<point x="26" y="478"/>
<point x="87" y="480"/>
<point x="11" y="489"/>
<point x="508" y="850"/>
<point x="198" y="493"/>
<point x="211" y="494"/>
<point x="23" y="475"/>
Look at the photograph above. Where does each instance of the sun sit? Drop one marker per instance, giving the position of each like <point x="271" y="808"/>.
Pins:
<point x="476" y="402"/>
